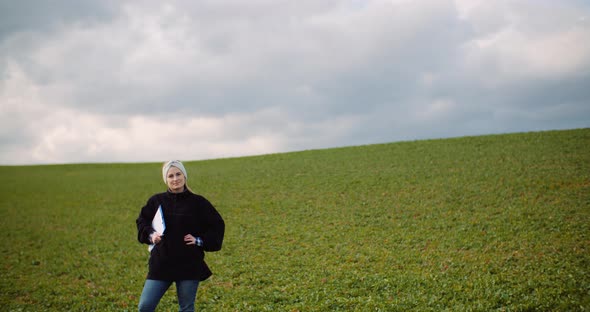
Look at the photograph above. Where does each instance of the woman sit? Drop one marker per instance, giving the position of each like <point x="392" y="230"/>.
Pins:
<point x="191" y="226"/>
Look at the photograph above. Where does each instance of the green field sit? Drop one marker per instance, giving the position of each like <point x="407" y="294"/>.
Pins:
<point x="488" y="223"/>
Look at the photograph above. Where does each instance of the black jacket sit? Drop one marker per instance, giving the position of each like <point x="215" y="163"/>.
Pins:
<point x="184" y="213"/>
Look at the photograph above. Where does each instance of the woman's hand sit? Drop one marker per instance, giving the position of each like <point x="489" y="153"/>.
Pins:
<point x="156" y="238"/>
<point x="190" y="240"/>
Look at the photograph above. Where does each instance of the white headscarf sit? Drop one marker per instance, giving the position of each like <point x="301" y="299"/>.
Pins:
<point x="173" y="163"/>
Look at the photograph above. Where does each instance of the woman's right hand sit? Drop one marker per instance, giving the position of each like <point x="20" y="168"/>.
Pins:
<point x="156" y="238"/>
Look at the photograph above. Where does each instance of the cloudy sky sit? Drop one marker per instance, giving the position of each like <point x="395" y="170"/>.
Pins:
<point x="115" y="81"/>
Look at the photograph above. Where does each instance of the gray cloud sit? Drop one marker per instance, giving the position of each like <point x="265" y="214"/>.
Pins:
<point x="103" y="81"/>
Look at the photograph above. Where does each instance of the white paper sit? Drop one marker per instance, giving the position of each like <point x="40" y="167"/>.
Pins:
<point x="158" y="224"/>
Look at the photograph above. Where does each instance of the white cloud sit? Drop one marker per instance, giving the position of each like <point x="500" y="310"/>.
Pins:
<point x="531" y="41"/>
<point x="511" y="55"/>
<point x="72" y="136"/>
<point x="77" y="136"/>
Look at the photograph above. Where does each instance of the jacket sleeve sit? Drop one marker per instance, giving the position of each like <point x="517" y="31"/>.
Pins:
<point x="144" y="222"/>
<point x="214" y="228"/>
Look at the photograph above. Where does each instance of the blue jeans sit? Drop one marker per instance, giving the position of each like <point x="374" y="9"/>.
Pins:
<point x="153" y="291"/>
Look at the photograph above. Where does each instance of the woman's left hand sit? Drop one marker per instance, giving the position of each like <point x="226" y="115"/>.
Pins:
<point x="190" y="240"/>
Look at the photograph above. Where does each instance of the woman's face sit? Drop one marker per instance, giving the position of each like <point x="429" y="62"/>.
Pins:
<point x="175" y="180"/>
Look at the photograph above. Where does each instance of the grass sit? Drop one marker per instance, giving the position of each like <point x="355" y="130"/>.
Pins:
<point x="488" y="223"/>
